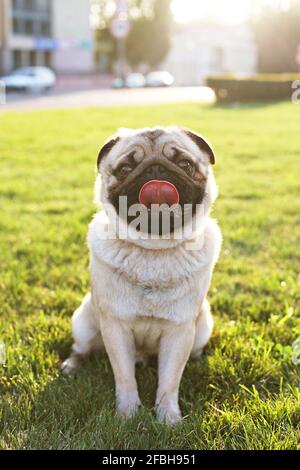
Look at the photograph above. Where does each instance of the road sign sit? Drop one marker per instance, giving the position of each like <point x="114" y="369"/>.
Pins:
<point x="120" y="27"/>
<point x="46" y="44"/>
<point x="122" y="6"/>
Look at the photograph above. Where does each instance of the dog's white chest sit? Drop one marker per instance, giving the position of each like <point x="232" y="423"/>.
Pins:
<point x="130" y="281"/>
<point x="139" y="287"/>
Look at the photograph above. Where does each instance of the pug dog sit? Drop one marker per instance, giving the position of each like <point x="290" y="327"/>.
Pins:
<point x="149" y="283"/>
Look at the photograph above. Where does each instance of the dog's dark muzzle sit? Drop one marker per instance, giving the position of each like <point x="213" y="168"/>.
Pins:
<point x="160" y="184"/>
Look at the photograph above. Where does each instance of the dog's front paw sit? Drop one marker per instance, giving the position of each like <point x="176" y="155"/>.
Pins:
<point x="196" y="353"/>
<point x="70" y="365"/>
<point x="168" y="412"/>
<point x="128" y="405"/>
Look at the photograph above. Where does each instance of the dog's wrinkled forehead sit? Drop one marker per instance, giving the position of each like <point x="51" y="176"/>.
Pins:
<point x="153" y="143"/>
<point x="144" y="142"/>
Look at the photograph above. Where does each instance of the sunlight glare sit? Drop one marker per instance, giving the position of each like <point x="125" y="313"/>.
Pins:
<point x="226" y="11"/>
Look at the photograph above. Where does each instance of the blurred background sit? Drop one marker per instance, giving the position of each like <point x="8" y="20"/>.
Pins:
<point x="242" y="49"/>
<point x="93" y="55"/>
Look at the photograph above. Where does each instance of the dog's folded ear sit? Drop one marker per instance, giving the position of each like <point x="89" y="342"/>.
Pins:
<point x="107" y="148"/>
<point x="202" y="143"/>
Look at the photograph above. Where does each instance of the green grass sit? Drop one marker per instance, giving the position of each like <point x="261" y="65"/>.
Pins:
<point x="244" y="392"/>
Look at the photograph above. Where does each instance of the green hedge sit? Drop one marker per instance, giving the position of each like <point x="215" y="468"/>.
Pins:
<point x="264" y="87"/>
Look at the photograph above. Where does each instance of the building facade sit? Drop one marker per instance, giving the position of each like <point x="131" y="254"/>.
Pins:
<point x="203" y="49"/>
<point x="53" y="33"/>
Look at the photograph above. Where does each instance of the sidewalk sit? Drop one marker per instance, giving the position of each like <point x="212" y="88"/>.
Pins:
<point x="84" y="82"/>
<point x="64" y="99"/>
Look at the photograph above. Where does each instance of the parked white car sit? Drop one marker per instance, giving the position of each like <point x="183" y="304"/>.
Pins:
<point x="159" y="79"/>
<point x="31" y="79"/>
<point x="133" y="80"/>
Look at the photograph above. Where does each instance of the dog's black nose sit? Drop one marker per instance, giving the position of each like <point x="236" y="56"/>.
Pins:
<point x="156" y="172"/>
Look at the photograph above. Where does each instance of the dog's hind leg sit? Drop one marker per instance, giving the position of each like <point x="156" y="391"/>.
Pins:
<point x="85" y="333"/>
<point x="204" y="328"/>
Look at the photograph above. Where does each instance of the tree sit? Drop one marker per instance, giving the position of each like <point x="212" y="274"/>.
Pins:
<point x="278" y="37"/>
<point x="105" y="50"/>
<point x="149" y="38"/>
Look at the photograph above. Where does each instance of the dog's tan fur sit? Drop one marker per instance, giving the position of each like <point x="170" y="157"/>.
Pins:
<point x="148" y="296"/>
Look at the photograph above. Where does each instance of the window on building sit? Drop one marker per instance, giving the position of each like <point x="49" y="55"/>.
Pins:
<point x="17" y="4"/>
<point x="48" y="59"/>
<point x="32" y="58"/>
<point x="45" y="28"/>
<point x="42" y="5"/>
<point x="32" y="17"/>
<point x="19" y="26"/>
<point x="29" y="27"/>
<point x="17" y="59"/>
<point x="29" y="4"/>
<point x="40" y="59"/>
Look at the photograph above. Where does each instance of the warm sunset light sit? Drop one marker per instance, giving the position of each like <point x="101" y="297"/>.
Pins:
<point x="229" y="11"/>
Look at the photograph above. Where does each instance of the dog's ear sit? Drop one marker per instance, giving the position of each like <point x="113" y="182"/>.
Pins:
<point x="106" y="149"/>
<point x="202" y="144"/>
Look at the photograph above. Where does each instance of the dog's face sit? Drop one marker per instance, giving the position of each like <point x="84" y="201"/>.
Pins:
<point x="151" y="167"/>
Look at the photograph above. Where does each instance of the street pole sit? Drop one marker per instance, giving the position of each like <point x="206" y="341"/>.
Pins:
<point x="122" y="58"/>
<point x="120" y="27"/>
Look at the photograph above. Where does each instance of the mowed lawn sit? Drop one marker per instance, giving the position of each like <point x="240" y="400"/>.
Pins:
<point x="244" y="392"/>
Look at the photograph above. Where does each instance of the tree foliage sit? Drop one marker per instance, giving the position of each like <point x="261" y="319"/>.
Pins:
<point x="278" y="37"/>
<point x="149" y="39"/>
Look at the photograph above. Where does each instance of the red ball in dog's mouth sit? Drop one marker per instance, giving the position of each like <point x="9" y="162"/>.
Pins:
<point x="158" y="192"/>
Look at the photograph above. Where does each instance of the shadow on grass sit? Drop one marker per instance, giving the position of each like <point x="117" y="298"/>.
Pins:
<point x="79" y="412"/>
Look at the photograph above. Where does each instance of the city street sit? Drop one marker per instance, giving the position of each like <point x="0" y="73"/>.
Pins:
<point x="71" y="98"/>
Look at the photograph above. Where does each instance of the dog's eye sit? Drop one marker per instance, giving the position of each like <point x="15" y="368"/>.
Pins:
<point x="123" y="170"/>
<point x="187" y="166"/>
